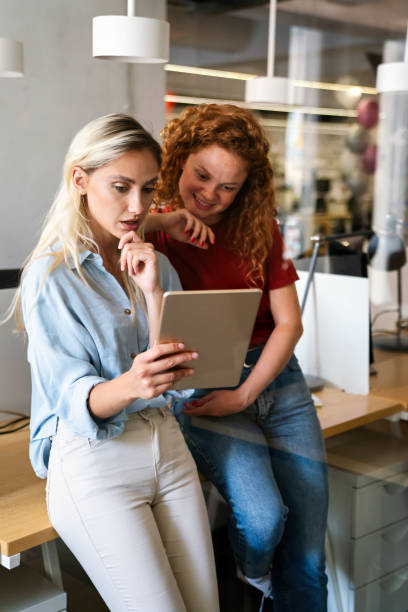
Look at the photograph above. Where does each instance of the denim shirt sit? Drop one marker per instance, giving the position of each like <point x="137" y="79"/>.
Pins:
<point x="80" y="335"/>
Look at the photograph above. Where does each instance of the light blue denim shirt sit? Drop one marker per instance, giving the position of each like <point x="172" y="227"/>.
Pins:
<point x="78" y="336"/>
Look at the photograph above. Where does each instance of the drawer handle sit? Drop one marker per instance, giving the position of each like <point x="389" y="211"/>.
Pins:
<point x="395" y="488"/>
<point x="396" y="534"/>
<point x="397" y="580"/>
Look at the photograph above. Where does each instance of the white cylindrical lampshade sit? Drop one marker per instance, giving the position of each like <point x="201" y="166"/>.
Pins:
<point x="270" y="90"/>
<point x="387" y="250"/>
<point x="130" y="39"/>
<point x="392" y="77"/>
<point x="11" y="58"/>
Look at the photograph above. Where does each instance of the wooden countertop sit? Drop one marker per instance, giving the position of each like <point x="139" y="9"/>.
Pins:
<point x="343" y="411"/>
<point x="24" y="520"/>
<point x="391" y="379"/>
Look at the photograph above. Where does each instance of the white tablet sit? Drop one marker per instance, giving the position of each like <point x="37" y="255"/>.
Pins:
<point x="218" y="325"/>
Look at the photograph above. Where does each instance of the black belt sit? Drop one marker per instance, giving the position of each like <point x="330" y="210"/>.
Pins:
<point x="252" y="356"/>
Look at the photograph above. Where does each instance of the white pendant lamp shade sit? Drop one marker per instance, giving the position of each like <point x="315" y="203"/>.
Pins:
<point x="11" y="58"/>
<point x="130" y="39"/>
<point x="393" y="76"/>
<point x="269" y="89"/>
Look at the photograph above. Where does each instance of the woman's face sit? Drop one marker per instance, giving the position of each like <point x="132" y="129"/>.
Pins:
<point x="210" y="181"/>
<point x="119" y="194"/>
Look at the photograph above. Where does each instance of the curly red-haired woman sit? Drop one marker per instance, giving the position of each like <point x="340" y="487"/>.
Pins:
<point x="259" y="443"/>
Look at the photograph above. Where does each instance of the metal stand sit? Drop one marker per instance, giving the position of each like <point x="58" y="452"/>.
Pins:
<point x="315" y="383"/>
<point x="396" y="341"/>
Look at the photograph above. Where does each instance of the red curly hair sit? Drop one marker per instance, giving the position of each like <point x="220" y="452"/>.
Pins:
<point x="249" y="220"/>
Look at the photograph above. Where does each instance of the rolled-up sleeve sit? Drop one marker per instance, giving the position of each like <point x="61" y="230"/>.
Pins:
<point x="63" y="358"/>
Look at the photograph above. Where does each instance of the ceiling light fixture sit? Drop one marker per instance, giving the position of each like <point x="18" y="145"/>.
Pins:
<point x="393" y="76"/>
<point x="270" y="88"/>
<point x="244" y="76"/>
<point x="127" y="38"/>
<point x="211" y="72"/>
<point x="11" y="58"/>
<point x="281" y="108"/>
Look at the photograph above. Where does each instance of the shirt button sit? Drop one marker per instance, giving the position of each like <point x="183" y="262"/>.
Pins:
<point x="127" y="311"/>
<point x="133" y="355"/>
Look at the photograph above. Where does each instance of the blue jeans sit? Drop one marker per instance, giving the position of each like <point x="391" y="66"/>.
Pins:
<point x="269" y="464"/>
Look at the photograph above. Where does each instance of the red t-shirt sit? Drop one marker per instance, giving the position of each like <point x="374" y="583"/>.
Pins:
<point x="218" y="267"/>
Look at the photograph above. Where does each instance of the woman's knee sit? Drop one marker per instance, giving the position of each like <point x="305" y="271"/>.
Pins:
<point x="261" y="531"/>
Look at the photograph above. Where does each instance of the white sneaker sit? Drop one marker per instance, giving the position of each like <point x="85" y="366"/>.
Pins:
<point x="263" y="583"/>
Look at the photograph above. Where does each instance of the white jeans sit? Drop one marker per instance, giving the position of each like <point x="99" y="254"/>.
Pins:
<point x="131" y="510"/>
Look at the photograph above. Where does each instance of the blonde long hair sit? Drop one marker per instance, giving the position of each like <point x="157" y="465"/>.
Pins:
<point x="67" y="225"/>
<point x="249" y="220"/>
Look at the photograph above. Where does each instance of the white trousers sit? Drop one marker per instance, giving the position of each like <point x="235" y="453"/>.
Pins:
<point x="132" y="511"/>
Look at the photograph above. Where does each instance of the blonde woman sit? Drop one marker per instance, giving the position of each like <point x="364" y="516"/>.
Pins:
<point x="122" y="487"/>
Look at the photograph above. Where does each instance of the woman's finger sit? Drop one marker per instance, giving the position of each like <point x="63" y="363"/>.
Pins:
<point x="199" y="402"/>
<point x="163" y="357"/>
<point x="200" y="410"/>
<point x="161" y="350"/>
<point x="189" y="222"/>
<point x="129" y="237"/>
<point x="172" y="361"/>
<point x="170" y="378"/>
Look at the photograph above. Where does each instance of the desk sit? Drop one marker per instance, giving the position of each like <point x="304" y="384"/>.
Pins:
<point x="24" y="524"/>
<point x="356" y="581"/>
<point x="24" y="521"/>
<point x="343" y="411"/>
<point x="391" y="379"/>
<point x="23" y="515"/>
<point x="388" y="395"/>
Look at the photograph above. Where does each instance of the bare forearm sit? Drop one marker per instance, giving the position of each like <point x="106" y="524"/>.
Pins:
<point x="154" y="304"/>
<point x="154" y="223"/>
<point x="110" y="397"/>
<point x="274" y="357"/>
<point x="152" y="373"/>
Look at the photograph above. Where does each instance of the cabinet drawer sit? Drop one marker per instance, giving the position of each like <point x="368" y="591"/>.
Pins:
<point x="380" y="504"/>
<point x="389" y="594"/>
<point x="379" y="553"/>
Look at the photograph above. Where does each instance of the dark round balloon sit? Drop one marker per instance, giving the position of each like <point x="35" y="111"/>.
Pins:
<point x="357" y="138"/>
<point x="367" y="113"/>
<point x="369" y="158"/>
<point x="357" y="182"/>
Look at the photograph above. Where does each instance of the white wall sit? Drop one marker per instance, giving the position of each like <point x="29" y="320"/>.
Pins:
<point x="63" y="88"/>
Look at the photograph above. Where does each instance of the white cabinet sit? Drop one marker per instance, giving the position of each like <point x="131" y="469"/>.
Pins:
<point x="368" y="520"/>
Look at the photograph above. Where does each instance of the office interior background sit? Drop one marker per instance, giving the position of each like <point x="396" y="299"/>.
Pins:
<point x="323" y="143"/>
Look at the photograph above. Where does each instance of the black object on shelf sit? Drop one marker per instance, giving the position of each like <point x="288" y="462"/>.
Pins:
<point x="387" y="252"/>
<point x="9" y="278"/>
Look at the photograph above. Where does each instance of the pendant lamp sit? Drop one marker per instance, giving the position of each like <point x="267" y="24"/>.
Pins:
<point x="270" y="89"/>
<point x="11" y="58"/>
<point x="127" y="38"/>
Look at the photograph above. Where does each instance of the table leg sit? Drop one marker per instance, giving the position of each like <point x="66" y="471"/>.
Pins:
<point x="51" y="562"/>
<point x="331" y="568"/>
<point x="10" y="562"/>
